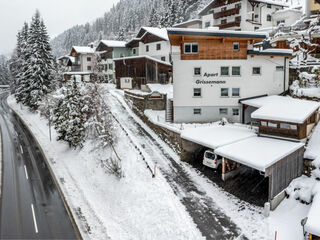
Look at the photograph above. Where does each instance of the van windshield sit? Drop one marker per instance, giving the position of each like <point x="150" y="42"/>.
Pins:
<point x="210" y="155"/>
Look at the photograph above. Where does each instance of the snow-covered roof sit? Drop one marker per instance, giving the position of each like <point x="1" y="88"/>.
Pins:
<point x="312" y="225"/>
<point x="189" y="22"/>
<point x="217" y="32"/>
<point x="113" y="43"/>
<point x="144" y="56"/>
<point x="83" y="49"/>
<point x="272" y="51"/>
<point x="280" y="108"/>
<point x="217" y="136"/>
<point x="162" y="88"/>
<point x="159" y="32"/>
<point x="258" y="152"/>
<point x="277" y="3"/>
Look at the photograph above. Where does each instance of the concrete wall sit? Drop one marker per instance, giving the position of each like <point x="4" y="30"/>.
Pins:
<point x="85" y="63"/>
<point x="153" y="52"/>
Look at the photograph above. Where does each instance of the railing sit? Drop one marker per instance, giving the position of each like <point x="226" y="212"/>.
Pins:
<point x="76" y="68"/>
<point x="229" y="24"/>
<point x="224" y="3"/>
<point x="226" y="13"/>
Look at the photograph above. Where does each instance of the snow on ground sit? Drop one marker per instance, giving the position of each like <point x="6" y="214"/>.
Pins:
<point x="313" y="147"/>
<point x="134" y="207"/>
<point x="158" y="118"/>
<point x="285" y="219"/>
<point x="162" y="88"/>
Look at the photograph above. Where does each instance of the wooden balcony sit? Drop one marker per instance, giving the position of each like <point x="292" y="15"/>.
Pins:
<point x="229" y="25"/>
<point x="226" y="13"/>
<point x="224" y="3"/>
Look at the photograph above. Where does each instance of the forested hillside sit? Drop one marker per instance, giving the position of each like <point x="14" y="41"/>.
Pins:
<point x="125" y="18"/>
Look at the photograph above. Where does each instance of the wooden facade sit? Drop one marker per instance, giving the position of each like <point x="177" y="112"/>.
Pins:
<point x="210" y="47"/>
<point x="301" y="132"/>
<point x="284" y="171"/>
<point x="142" y="70"/>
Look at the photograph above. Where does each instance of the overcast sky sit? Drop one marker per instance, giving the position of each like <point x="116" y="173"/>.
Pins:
<point x="58" y="15"/>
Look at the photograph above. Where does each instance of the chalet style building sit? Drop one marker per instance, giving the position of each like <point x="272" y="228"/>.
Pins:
<point x="109" y="50"/>
<point x="81" y="62"/>
<point x="148" y="61"/>
<point x="213" y="70"/>
<point x="240" y="15"/>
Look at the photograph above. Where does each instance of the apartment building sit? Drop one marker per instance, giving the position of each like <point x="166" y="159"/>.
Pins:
<point x="109" y="50"/>
<point x="148" y="62"/>
<point x="214" y="69"/>
<point x="240" y="15"/>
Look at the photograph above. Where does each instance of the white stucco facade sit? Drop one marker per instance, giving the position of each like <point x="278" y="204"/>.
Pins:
<point x="271" y="80"/>
<point x="162" y="54"/>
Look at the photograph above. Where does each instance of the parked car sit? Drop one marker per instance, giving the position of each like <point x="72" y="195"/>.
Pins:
<point x="210" y="159"/>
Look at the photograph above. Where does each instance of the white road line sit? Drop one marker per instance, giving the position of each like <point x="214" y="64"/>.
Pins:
<point x="21" y="149"/>
<point x="34" y="219"/>
<point x="25" y="171"/>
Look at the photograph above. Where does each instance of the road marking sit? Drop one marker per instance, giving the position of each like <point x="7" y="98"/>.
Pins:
<point x="25" y="171"/>
<point x="34" y="219"/>
<point x="21" y="149"/>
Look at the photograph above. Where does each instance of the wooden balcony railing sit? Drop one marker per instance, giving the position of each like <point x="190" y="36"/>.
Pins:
<point x="224" y="3"/>
<point x="226" y="13"/>
<point x="229" y="25"/>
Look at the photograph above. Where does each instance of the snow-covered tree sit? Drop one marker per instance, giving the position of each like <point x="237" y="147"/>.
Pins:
<point x="5" y="76"/>
<point x="121" y="35"/>
<point x="69" y="116"/>
<point x="38" y="68"/>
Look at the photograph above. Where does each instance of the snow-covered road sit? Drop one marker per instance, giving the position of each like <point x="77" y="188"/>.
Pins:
<point x="188" y="184"/>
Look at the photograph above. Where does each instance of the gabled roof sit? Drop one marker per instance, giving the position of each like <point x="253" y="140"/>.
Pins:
<point x="159" y="32"/>
<point x="206" y="8"/>
<point x="83" y="50"/>
<point x="113" y="43"/>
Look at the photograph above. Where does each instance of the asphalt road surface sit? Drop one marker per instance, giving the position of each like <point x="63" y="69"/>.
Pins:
<point x="31" y="206"/>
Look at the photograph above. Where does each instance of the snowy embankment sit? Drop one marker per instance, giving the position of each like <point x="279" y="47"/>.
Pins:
<point x="285" y="220"/>
<point x="134" y="207"/>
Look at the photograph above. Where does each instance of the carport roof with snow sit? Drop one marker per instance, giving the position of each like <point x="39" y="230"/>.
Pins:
<point x="217" y="136"/>
<point x="258" y="152"/>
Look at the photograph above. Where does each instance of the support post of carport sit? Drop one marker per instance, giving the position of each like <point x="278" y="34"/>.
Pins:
<point x="223" y="169"/>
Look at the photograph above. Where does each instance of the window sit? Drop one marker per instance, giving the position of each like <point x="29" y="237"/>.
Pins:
<point x="238" y="5"/>
<point x="224" y="71"/>
<point x="263" y="123"/>
<point x="110" y="66"/>
<point x="269" y="18"/>
<point x="235" y="46"/>
<point x="235" y="92"/>
<point x="279" y="68"/>
<point x="235" y="71"/>
<point x="281" y="21"/>
<point x="235" y="111"/>
<point x="223" y="111"/>
<point x="158" y="46"/>
<point x="223" y="21"/>
<point x="89" y="68"/>
<point x="197" y="92"/>
<point x="256" y="15"/>
<point x="237" y="19"/>
<point x="223" y="9"/>
<point x="197" y="71"/>
<point x="163" y="59"/>
<point x="134" y="51"/>
<point x="88" y="59"/>
<point x="207" y="24"/>
<point x="190" y="48"/>
<point x="106" y="67"/>
<point x="268" y="5"/>
<point x="288" y="126"/>
<point x="110" y="76"/>
<point x="256" y="71"/>
<point x="197" y="111"/>
<point x="224" y="92"/>
<point x="147" y="48"/>
<point x="271" y="124"/>
<point x="256" y="28"/>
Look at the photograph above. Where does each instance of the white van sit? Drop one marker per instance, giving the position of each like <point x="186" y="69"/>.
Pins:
<point x="211" y="160"/>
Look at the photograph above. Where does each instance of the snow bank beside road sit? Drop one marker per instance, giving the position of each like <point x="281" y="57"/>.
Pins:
<point x="135" y="207"/>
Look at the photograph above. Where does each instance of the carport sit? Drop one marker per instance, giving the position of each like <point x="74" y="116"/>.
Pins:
<point x="279" y="160"/>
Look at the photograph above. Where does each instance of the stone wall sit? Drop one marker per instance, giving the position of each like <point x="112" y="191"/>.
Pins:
<point x="154" y="101"/>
